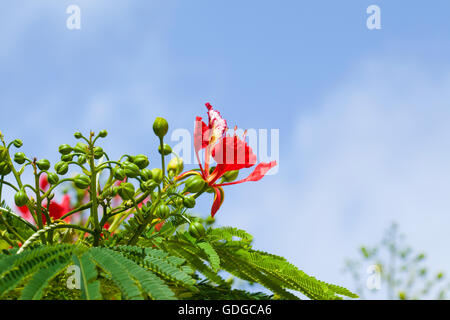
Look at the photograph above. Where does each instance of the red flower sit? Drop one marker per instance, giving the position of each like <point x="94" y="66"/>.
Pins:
<point x="57" y="210"/>
<point x="230" y="153"/>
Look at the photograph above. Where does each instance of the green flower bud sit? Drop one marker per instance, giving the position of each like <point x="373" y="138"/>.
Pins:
<point x="230" y="176"/>
<point x="157" y="175"/>
<point x="5" y="168"/>
<point x="103" y="134"/>
<point x="131" y="170"/>
<point x="194" y="184"/>
<point x="167" y="149"/>
<point x="126" y="191"/>
<point x="197" y="230"/>
<point x="98" y="152"/>
<point x="114" y="191"/>
<point x="175" y="166"/>
<point x="210" y="220"/>
<point x="52" y="178"/>
<point x="65" y="149"/>
<point x="160" y="127"/>
<point x="141" y="161"/>
<point x="119" y="174"/>
<point x="3" y="154"/>
<point x="148" y="185"/>
<point x="77" y="135"/>
<point x="82" y="159"/>
<point x="146" y="174"/>
<point x="21" y="198"/>
<point x="189" y="201"/>
<point x="61" y="167"/>
<point x="67" y="157"/>
<point x="81" y="181"/>
<point x="18" y="143"/>
<point x="19" y="157"/>
<point x="162" y="211"/>
<point x="43" y="164"/>
<point x="80" y="147"/>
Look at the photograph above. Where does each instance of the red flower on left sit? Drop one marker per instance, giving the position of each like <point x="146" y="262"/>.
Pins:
<point x="55" y="210"/>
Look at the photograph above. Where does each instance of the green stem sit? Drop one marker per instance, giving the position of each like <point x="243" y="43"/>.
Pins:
<point x="93" y="194"/>
<point x="161" y="143"/>
<point x="80" y="208"/>
<point x="8" y="184"/>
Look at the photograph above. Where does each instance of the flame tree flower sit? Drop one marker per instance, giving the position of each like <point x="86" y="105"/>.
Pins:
<point x="231" y="154"/>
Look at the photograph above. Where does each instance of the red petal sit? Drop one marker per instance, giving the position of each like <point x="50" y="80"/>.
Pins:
<point x="217" y="124"/>
<point x="159" y="225"/>
<point x="218" y="200"/>
<point x="201" y="132"/>
<point x="25" y="213"/>
<point x="257" y="174"/>
<point x="43" y="182"/>
<point x="232" y="153"/>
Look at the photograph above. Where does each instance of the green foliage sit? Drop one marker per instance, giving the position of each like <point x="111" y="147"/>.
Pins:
<point x="132" y="239"/>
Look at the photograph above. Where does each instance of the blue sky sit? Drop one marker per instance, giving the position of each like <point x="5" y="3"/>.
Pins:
<point x="363" y="115"/>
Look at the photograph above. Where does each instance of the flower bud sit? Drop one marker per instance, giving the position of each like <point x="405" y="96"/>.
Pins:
<point x="21" y="198"/>
<point x="80" y="147"/>
<point x="77" y="135"/>
<point x="52" y="178"/>
<point x="3" y="154"/>
<point x="175" y="166"/>
<point x="148" y="185"/>
<point x="119" y="174"/>
<point x="194" y="184"/>
<point x="65" y="149"/>
<point x="18" y="143"/>
<point x="162" y="211"/>
<point x="210" y="220"/>
<point x="81" y="181"/>
<point x="82" y="159"/>
<point x="103" y="134"/>
<point x="141" y="161"/>
<point x="108" y="192"/>
<point x="5" y="168"/>
<point x="43" y="164"/>
<point x="230" y="175"/>
<point x="114" y="191"/>
<point x="126" y="191"/>
<point x="146" y="174"/>
<point x="197" y="230"/>
<point x="67" y="157"/>
<point x="157" y="175"/>
<point x="98" y="152"/>
<point x="61" y="168"/>
<point x="189" y="202"/>
<point x="160" y="127"/>
<point x="131" y="170"/>
<point x="167" y="149"/>
<point x="19" y="157"/>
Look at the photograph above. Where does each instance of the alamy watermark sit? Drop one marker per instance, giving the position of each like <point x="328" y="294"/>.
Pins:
<point x="374" y="20"/>
<point x="373" y="281"/>
<point x="263" y="143"/>
<point x="73" y="22"/>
